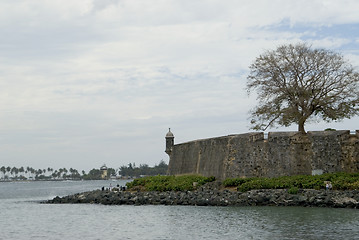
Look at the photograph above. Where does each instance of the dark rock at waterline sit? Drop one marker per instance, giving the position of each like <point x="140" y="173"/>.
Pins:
<point x="213" y="195"/>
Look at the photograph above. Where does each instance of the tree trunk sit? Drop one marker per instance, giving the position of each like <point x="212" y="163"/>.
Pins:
<point x="301" y="126"/>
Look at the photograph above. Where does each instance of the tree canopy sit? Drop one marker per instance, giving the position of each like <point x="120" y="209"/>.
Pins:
<point x="296" y="83"/>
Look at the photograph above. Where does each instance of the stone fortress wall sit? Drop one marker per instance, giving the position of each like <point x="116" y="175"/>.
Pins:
<point x="251" y="155"/>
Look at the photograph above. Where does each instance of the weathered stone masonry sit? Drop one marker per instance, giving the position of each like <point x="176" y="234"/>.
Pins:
<point x="250" y="155"/>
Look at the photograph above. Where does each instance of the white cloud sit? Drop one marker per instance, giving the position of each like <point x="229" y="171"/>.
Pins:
<point x="90" y="78"/>
<point x="330" y="43"/>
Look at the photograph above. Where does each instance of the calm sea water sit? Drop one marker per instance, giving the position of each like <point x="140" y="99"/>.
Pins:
<point x="22" y="217"/>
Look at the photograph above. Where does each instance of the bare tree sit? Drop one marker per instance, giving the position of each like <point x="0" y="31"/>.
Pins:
<point x="296" y="83"/>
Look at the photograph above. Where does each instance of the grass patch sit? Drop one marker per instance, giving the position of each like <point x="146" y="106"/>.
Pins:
<point x="168" y="183"/>
<point x="293" y="190"/>
<point x="340" y="181"/>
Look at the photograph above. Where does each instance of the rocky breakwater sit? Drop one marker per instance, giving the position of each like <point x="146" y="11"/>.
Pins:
<point x="213" y="195"/>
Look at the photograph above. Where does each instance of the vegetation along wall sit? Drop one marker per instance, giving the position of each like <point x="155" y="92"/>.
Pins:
<point x="282" y="153"/>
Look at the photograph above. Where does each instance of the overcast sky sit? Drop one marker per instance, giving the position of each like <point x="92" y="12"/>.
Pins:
<point x="88" y="82"/>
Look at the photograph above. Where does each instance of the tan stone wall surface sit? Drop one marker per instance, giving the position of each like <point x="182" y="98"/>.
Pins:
<point x="283" y="153"/>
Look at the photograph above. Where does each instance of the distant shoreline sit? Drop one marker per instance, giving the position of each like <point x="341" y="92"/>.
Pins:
<point x="43" y="180"/>
<point x="63" y="180"/>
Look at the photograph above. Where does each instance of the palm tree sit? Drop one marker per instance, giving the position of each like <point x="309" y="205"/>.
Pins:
<point x="60" y="174"/>
<point x="21" y="170"/>
<point x="8" y="169"/>
<point x="14" y="172"/>
<point x="50" y="170"/>
<point x="28" y="171"/>
<point x="54" y="174"/>
<point x="65" y="173"/>
<point x="32" y="172"/>
<point x="71" y="170"/>
<point x="3" y="170"/>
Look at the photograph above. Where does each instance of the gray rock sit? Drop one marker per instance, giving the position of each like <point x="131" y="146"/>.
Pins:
<point x="213" y="195"/>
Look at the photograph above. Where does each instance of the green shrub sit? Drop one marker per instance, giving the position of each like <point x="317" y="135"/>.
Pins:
<point x="233" y="182"/>
<point x="169" y="183"/>
<point x="340" y="181"/>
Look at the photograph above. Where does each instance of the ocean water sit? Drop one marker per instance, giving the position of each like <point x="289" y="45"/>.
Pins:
<point x="23" y="217"/>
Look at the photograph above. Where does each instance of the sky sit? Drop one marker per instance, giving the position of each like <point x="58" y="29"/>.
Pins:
<point x="90" y="82"/>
